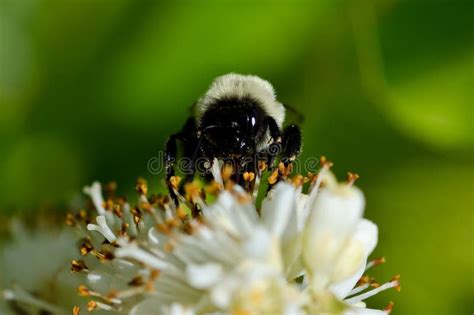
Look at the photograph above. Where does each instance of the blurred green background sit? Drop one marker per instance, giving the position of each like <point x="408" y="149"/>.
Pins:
<point x="91" y="89"/>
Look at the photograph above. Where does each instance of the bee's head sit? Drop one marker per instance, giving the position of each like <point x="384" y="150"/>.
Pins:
<point x="233" y="126"/>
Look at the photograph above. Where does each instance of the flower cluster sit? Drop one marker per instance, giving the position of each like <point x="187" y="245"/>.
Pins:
<point x="299" y="253"/>
<point x="303" y="250"/>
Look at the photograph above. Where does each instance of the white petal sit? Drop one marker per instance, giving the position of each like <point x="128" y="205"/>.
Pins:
<point x="363" y="311"/>
<point x="222" y="293"/>
<point x="366" y="233"/>
<point x="155" y="306"/>
<point x="331" y="223"/>
<point x="277" y="207"/>
<point x="203" y="276"/>
<point x="259" y="245"/>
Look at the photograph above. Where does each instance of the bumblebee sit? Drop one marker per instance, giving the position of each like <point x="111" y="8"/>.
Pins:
<point x="239" y="121"/>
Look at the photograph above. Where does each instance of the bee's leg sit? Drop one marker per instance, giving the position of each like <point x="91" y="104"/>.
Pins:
<point x="188" y="136"/>
<point x="290" y="149"/>
<point x="291" y="144"/>
<point x="275" y="147"/>
<point x="170" y="159"/>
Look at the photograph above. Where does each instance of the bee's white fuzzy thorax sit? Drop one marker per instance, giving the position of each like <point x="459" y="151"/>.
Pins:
<point x="240" y="86"/>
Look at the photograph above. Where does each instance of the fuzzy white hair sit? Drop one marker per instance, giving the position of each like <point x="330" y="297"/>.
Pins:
<point x="241" y="86"/>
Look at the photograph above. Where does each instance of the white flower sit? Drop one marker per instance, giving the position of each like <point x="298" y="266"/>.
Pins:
<point x="300" y="253"/>
<point x="34" y="265"/>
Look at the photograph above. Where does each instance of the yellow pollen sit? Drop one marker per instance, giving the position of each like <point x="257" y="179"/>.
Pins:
<point x="181" y="213"/>
<point x="398" y="287"/>
<point x="273" y="178"/>
<point x="142" y="187"/>
<point x="76" y="310"/>
<point x="86" y="247"/>
<point x="388" y="309"/>
<point x="92" y="305"/>
<point x="163" y="228"/>
<point x="137" y="281"/>
<point x="117" y="211"/>
<point x="249" y="176"/>
<point x="298" y="180"/>
<point x="168" y="247"/>
<point x="78" y="265"/>
<point x="82" y="214"/>
<point x="325" y="162"/>
<point x="70" y="220"/>
<point x="174" y="182"/>
<point x="351" y="178"/>
<point x="83" y="290"/>
<point x="149" y="287"/>
<point x="155" y="273"/>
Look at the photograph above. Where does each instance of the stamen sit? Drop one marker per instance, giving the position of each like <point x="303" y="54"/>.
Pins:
<point x="273" y="178"/>
<point x="84" y="291"/>
<point x="91" y="305"/>
<point x="102" y="228"/>
<point x="95" y="193"/>
<point x="351" y="178"/>
<point x="325" y="162"/>
<point x="262" y="166"/>
<point x="249" y="176"/>
<point x="76" y="310"/>
<point x="133" y="252"/>
<point x="359" y="289"/>
<point x="86" y="246"/>
<point x="395" y="283"/>
<point x="78" y="266"/>
<point x="19" y="295"/>
<point x="298" y="180"/>
<point x="70" y="220"/>
<point x="216" y="171"/>
<point x="375" y="262"/>
<point x="142" y="187"/>
<point x="388" y="309"/>
<point x="314" y="189"/>
<point x="174" y="182"/>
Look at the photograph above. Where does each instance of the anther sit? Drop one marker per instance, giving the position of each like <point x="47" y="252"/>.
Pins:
<point x="174" y="182"/>
<point x="262" y="166"/>
<point x="351" y="178"/>
<point x="91" y="305"/>
<point x="298" y="180"/>
<point x="86" y="246"/>
<point x="82" y="290"/>
<point x="249" y="176"/>
<point x="325" y="162"/>
<point x="70" y="220"/>
<point x="388" y="309"/>
<point x="273" y="178"/>
<point x="375" y="262"/>
<point x="78" y="266"/>
<point x="141" y="187"/>
<point x="76" y="310"/>
<point x="396" y="279"/>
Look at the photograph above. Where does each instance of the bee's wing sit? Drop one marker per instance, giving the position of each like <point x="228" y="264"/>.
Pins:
<point x="293" y="115"/>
